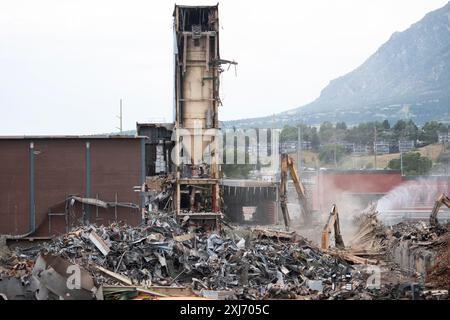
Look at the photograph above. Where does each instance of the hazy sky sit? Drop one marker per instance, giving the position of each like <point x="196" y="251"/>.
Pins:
<point x="64" y="65"/>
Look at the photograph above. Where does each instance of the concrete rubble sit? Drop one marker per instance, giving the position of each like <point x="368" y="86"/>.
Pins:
<point x="419" y="249"/>
<point x="163" y="259"/>
<point x="439" y="275"/>
<point x="416" y="249"/>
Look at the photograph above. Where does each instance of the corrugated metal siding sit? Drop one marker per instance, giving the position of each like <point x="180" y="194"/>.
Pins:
<point x="116" y="168"/>
<point x="60" y="171"/>
<point x="14" y="191"/>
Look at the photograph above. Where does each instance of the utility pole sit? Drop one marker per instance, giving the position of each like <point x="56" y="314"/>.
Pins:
<point x="335" y="158"/>
<point x="335" y="146"/>
<point x="335" y="139"/>
<point x="120" y="118"/>
<point x="375" y="148"/>
<point x="401" y="162"/>
<point x="402" y="138"/>
<point x="299" y="149"/>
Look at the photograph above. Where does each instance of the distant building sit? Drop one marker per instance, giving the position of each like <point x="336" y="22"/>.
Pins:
<point x="405" y="146"/>
<point x="349" y="147"/>
<point x="381" y="147"/>
<point x="306" y="145"/>
<point x="259" y="149"/>
<point x="253" y="149"/>
<point x="443" y="137"/>
<point x="291" y="146"/>
<point x="288" y="147"/>
<point x="359" y="150"/>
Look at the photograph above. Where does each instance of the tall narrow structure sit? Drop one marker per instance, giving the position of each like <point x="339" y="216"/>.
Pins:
<point x="197" y="70"/>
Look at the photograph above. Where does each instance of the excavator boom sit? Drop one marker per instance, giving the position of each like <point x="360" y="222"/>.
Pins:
<point x="283" y="194"/>
<point x="442" y="200"/>
<point x="287" y="165"/>
<point x="332" y="222"/>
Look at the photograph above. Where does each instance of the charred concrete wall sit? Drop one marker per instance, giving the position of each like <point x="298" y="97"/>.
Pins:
<point x="238" y="194"/>
<point x="412" y="258"/>
<point x="38" y="174"/>
<point x="158" y="147"/>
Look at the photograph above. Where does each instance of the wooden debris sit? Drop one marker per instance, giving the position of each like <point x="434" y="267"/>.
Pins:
<point x="153" y="292"/>
<point x="280" y="235"/>
<point x="351" y="258"/>
<point x="115" y="275"/>
<point x="184" y="237"/>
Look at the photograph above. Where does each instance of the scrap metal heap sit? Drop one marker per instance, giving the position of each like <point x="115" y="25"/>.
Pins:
<point x="162" y="258"/>
<point x="165" y="258"/>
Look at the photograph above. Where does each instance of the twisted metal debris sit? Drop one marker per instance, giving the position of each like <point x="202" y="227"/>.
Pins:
<point x="163" y="253"/>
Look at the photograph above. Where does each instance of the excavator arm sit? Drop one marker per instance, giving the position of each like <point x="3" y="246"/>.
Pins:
<point x="332" y="222"/>
<point x="442" y="200"/>
<point x="283" y="192"/>
<point x="287" y="165"/>
<point x="301" y="193"/>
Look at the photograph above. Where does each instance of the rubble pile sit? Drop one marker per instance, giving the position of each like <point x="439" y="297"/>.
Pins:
<point x="420" y="239"/>
<point x="426" y="251"/>
<point x="417" y="248"/>
<point x="138" y="253"/>
<point x="165" y="258"/>
<point x="158" y="190"/>
<point x="439" y="275"/>
<point x="371" y="236"/>
<point x="416" y="231"/>
<point x="163" y="253"/>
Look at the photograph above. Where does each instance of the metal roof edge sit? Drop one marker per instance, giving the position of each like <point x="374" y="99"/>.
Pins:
<point x="61" y="137"/>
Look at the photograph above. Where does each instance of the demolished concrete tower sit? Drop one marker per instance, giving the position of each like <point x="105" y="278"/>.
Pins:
<point x="197" y="70"/>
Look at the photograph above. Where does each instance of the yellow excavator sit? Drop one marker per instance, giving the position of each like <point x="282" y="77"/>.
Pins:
<point x="287" y="165"/>
<point x="441" y="200"/>
<point x="332" y="222"/>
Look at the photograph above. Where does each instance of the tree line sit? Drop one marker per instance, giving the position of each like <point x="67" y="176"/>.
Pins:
<point x="365" y="133"/>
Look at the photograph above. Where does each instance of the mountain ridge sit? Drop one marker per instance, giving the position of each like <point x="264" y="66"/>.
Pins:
<point x="407" y="77"/>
